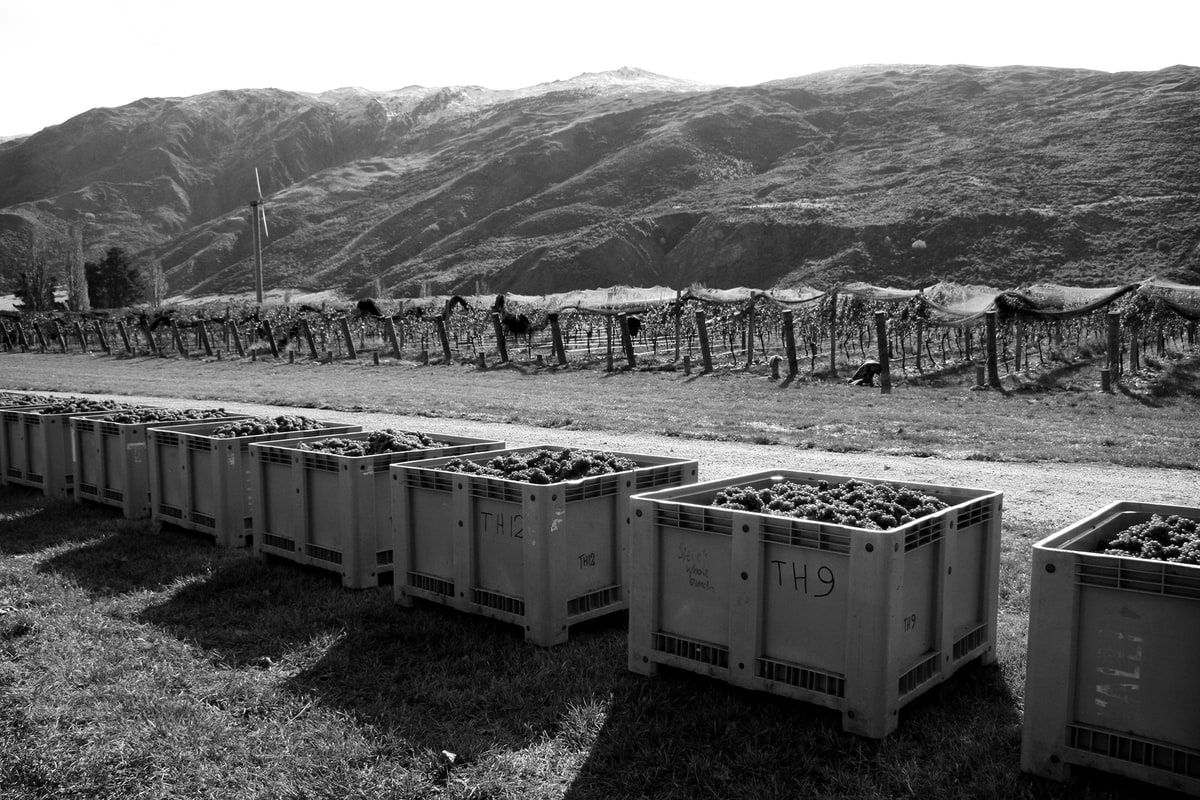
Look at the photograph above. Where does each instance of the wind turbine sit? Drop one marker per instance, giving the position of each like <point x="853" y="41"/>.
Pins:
<point x="258" y="210"/>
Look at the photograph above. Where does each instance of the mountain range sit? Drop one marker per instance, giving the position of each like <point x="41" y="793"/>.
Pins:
<point x="899" y="175"/>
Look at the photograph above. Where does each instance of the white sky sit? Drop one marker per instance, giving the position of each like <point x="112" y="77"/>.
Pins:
<point x="62" y="57"/>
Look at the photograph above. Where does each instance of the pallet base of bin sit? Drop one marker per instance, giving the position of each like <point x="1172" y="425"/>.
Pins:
<point x="858" y="621"/>
<point x="544" y="557"/>
<point x="330" y="511"/>
<point x="1113" y="657"/>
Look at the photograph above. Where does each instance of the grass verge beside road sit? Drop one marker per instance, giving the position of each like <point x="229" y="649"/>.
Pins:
<point x="1066" y="422"/>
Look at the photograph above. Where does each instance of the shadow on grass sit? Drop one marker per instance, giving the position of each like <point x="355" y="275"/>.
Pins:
<point x="435" y="678"/>
<point x="129" y="555"/>
<point x="443" y="680"/>
<point x="695" y="737"/>
<point x="246" y="610"/>
<point x="31" y="522"/>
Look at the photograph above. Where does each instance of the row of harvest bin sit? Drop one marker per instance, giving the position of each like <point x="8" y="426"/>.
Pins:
<point x="860" y="621"/>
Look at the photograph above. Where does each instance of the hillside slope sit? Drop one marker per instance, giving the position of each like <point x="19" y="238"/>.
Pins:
<point x="900" y="175"/>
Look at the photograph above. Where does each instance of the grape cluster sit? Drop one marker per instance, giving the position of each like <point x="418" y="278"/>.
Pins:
<point x="376" y="443"/>
<point x="258" y="426"/>
<point x="140" y="415"/>
<point x="79" y="405"/>
<point x="545" y="466"/>
<point x="1174" y="538"/>
<point x="875" y="506"/>
<point x="7" y="399"/>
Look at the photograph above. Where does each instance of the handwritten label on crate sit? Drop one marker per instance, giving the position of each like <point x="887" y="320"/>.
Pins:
<point x="800" y="577"/>
<point x="697" y="565"/>
<point x="500" y="524"/>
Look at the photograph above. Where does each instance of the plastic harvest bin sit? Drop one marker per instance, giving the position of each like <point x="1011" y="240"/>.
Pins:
<point x="38" y="449"/>
<point x="860" y="621"/>
<point x="333" y="511"/>
<point x="12" y="437"/>
<point x="1111" y="679"/>
<point x="112" y="464"/>
<point x="543" y="556"/>
<point x="202" y="482"/>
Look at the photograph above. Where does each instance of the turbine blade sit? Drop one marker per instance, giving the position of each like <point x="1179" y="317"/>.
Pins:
<point x="258" y="182"/>
<point x="263" y="209"/>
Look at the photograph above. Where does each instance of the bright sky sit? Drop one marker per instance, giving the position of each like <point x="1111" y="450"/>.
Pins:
<point x="62" y="57"/>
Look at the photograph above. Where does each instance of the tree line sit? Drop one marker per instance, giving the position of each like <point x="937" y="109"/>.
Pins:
<point x="113" y="281"/>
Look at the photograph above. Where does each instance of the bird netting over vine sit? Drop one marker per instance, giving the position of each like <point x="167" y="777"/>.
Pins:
<point x="742" y="295"/>
<point x="953" y="305"/>
<point x="1052" y="301"/>
<point x="1182" y="299"/>
<point x="880" y="294"/>
<point x="614" y="300"/>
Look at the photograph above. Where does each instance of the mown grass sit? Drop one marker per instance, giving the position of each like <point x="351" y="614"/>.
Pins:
<point x="136" y="662"/>
<point x="1059" y="417"/>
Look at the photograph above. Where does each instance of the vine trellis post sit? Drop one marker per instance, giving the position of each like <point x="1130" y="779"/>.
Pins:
<point x="881" y="340"/>
<point x="833" y="334"/>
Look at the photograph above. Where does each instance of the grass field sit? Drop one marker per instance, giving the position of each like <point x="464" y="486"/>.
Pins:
<point x="143" y="663"/>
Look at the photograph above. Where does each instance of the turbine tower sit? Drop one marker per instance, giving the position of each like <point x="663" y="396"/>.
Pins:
<point x="258" y="211"/>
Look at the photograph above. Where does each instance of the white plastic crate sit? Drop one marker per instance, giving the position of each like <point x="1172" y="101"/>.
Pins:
<point x="1113" y="657"/>
<point x="333" y="511"/>
<point x="860" y="621"/>
<point x="112" y="463"/>
<point x="202" y="483"/>
<point x="543" y="556"/>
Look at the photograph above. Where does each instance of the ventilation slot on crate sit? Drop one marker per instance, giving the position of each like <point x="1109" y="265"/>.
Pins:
<point x="659" y="476"/>
<point x="274" y="456"/>
<point x="694" y="518"/>
<point x="203" y="519"/>
<point x="33" y="477"/>
<point x="84" y="425"/>
<point x="109" y="429"/>
<point x="1132" y="750"/>
<point x="279" y="542"/>
<point x="811" y="679"/>
<point x="500" y="602"/>
<point x="383" y="558"/>
<point x="87" y="488"/>
<point x="495" y="490"/>
<point x="601" y="598"/>
<point x="114" y="495"/>
<point x="13" y="472"/>
<point x="169" y="511"/>
<point x="596" y="487"/>
<point x="321" y="462"/>
<point x="431" y="583"/>
<point x="969" y="642"/>
<point x="429" y="480"/>
<point x="169" y="439"/>
<point x="777" y="530"/>
<point x="925" y="532"/>
<point x="703" y="652"/>
<point x="975" y="514"/>
<point x="199" y="445"/>
<point x="1138" y="576"/>
<point x="921" y="673"/>
<point x="323" y="553"/>
<point x="382" y="463"/>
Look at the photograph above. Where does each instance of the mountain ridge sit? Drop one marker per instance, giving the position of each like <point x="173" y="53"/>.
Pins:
<point x="898" y="174"/>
